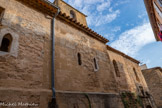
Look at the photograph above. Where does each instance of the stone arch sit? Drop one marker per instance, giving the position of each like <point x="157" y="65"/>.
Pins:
<point x="72" y="14"/>
<point x="13" y="38"/>
<point x="6" y="43"/>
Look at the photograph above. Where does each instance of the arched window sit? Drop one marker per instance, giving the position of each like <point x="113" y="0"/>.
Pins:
<point x="95" y="64"/>
<point x="137" y="78"/>
<point x="116" y="68"/>
<point x="79" y="59"/>
<point x="72" y="14"/>
<point x="6" y="43"/>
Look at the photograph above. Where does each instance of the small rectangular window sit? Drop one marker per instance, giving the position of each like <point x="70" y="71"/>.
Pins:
<point x="116" y="68"/>
<point x="96" y="67"/>
<point x="79" y="59"/>
<point x="1" y="14"/>
<point x="137" y="78"/>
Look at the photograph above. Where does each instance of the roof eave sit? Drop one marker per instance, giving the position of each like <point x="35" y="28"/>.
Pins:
<point x="122" y="54"/>
<point x="41" y="5"/>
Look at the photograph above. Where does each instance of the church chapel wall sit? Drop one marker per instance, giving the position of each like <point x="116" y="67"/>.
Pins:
<point x="81" y="85"/>
<point x="127" y="80"/>
<point x="25" y="74"/>
<point x="140" y="81"/>
<point x="71" y="41"/>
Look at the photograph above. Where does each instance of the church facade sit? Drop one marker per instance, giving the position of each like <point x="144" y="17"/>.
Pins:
<point x="47" y="51"/>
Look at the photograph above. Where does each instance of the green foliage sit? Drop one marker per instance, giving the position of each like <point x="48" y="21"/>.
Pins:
<point x="139" y="101"/>
<point x="130" y="100"/>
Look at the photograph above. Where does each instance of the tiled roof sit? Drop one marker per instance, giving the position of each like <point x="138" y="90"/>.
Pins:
<point x="42" y="5"/>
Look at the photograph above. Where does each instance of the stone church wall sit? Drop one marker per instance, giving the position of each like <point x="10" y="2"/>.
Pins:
<point x="127" y="80"/>
<point x="70" y="76"/>
<point x="25" y="71"/>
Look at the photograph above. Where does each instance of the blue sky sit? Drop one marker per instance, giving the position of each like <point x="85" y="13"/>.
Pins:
<point x="125" y="23"/>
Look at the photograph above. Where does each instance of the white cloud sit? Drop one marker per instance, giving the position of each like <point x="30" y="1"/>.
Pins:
<point x="121" y="2"/>
<point x="93" y="1"/>
<point x="142" y="14"/>
<point x="86" y="10"/>
<point x="110" y="9"/>
<point x="103" y="6"/>
<point x="110" y="36"/>
<point x="76" y="3"/>
<point x="116" y="29"/>
<point x="131" y="41"/>
<point x="95" y="14"/>
<point x="107" y="18"/>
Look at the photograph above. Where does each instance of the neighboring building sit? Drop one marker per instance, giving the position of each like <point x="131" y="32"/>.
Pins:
<point x="143" y="67"/>
<point x="87" y="72"/>
<point x="153" y="78"/>
<point x="154" y="10"/>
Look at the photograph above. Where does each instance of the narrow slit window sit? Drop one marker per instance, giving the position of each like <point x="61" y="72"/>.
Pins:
<point x="6" y="43"/>
<point x="79" y="59"/>
<point x="137" y="78"/>
<point x="1" y="14"/>
<point x="95" y="64"/>
<point x="116" y="68"/>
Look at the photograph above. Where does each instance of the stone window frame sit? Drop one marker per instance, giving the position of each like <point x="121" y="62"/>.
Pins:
<point x="14" y="45"/>
<point x="95" y="64"/>
<point x="8" y="38"/>
<point x="136" y="75"/>
<point x="116" y="68"/>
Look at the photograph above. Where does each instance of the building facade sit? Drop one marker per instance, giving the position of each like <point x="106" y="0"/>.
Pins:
<point x="153" y="78"/>
<point x="154" y="10"/>
<point x="87" y="72"/>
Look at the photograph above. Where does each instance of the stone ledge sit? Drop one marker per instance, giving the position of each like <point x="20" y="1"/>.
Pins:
<point x="25" y="90"/>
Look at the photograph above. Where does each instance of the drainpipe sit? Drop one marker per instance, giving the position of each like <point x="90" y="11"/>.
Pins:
<point x="52" y="104"/>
